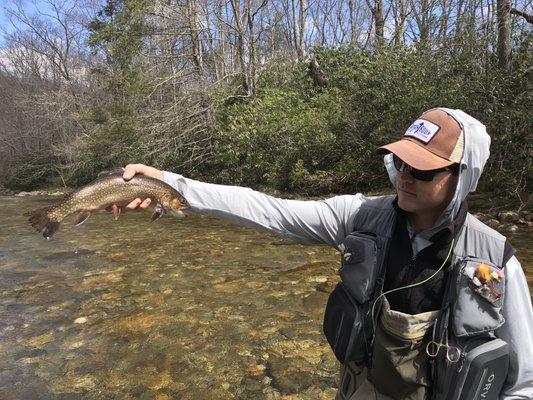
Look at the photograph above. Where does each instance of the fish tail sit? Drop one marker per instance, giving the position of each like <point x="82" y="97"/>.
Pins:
<point x="40" y="220"/>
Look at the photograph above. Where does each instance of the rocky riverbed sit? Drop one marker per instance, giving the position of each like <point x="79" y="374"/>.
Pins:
<point x="179" y="309"/>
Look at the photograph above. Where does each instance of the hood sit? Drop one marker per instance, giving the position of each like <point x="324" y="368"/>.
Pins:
<point x="475" y="155"/>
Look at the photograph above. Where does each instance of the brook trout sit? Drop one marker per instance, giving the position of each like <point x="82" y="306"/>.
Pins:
<point x="108" y="190"/>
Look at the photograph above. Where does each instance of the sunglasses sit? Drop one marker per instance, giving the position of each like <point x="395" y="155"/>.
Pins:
<point x="426" y="176"/>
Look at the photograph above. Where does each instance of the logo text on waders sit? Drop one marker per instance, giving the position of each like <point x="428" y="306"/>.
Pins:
<point x="486" y="387"/>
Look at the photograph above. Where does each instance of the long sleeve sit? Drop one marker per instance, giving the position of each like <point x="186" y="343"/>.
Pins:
<point x="517" y="331"/>
<point x="326" y="221"/>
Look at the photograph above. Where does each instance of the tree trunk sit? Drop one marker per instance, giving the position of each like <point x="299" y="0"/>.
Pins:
<point x="194" y="26"/>
<point x="303" y="16"/>
<point x="379" y="19"/>
<point x="241" y="54"/>
<point x="400" y="17"/>
<point x="504" y="36"/>
<point x="251" y="47"/>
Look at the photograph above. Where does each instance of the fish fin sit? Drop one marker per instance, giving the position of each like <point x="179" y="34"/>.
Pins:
<point x="81" y="218"/>
<point x="158" y="213"/>
<point x="41" y="221"/>
<point x="112" y="171"/>
<point x="116" y="211"/>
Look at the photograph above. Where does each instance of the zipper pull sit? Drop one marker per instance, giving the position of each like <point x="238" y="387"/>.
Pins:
<point x="462" y="358"/>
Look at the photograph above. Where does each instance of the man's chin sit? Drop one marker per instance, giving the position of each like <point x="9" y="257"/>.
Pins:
<point x="408" y="205"/>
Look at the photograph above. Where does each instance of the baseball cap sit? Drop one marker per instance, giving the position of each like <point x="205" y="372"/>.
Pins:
<point x="433" y="141"/>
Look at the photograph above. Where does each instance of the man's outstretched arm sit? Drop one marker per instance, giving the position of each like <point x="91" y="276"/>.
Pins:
<point x="324" y="221"/>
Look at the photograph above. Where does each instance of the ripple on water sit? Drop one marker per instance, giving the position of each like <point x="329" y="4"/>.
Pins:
<point x="67" y="255"/>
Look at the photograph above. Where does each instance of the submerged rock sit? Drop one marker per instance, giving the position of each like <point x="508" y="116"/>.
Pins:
<point x="289" y="375"/>
<point x="66" y="255"/>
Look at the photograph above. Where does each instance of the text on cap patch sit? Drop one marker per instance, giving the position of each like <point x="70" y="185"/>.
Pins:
<point x="422" y="130"/>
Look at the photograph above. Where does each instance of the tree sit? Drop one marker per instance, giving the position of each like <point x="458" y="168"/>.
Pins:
<point x="504" y="35"/>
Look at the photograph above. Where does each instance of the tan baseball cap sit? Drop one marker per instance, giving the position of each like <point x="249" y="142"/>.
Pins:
<point x="435" y="140"/>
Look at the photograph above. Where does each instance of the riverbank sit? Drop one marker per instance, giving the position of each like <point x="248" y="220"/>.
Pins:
<point x="496" y="211"/>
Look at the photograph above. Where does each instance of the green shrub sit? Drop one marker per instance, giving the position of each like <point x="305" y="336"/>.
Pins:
<point x="297" y="137"/>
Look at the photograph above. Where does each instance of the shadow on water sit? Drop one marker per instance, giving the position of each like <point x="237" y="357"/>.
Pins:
<point x="177" y="309"/>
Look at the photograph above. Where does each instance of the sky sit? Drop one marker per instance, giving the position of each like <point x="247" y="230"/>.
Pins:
<point x="31" y="7"/>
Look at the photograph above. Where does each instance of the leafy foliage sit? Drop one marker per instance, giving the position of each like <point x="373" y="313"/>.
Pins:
<point x="295" y="137"/>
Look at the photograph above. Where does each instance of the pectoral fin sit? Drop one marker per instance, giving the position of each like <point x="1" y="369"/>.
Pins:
<point x="82" y="217"/>
<point x="158" y="213"/>
<point x="116" y="211"/>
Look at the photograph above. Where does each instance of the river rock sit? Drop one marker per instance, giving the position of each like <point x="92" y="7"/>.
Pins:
<point x="23" y="194"/>
<point x="482" y="217"/>
<point x="493" y="223"/>
<point x="329" y="285"/>
<point x="508" y="216"/>
<point x="526" y="216"/>
<point x="290" y="375"/>
<point x="5" y="191"/>
<point x="508" y="227"/>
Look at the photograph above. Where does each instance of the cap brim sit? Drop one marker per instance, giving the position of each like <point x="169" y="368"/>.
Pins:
<point x="415" y="155"/>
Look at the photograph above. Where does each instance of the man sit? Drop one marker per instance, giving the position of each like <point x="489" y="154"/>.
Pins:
<point x="433" y="280"/>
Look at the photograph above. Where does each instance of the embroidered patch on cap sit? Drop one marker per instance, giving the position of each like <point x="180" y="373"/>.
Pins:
<point x="422" y="130"/>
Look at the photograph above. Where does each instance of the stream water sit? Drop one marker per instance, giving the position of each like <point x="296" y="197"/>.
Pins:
<point x="178" y="309"/>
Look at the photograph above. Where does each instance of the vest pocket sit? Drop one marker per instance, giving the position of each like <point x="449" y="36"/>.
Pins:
<point x="347" y="323"/>
<point x="360" y="266"/>
<point x="479" y="300"/>
<point x="480" y="372"/>
<point x="344" y="326"/>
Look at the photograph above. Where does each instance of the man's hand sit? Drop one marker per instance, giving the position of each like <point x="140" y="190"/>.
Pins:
<point x="133" y="169"/>
<point x="129" y="172"/>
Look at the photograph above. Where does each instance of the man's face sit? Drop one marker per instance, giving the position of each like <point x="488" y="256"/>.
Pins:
<point x="421" y="197"/>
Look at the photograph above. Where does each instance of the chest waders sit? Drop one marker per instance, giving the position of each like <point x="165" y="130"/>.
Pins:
<point x="466" y="321"/>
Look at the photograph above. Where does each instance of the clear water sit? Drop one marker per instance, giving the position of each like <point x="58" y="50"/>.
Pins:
<point x="177" y="309"/>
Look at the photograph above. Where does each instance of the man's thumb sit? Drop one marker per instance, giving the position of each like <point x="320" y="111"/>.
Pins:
<point x="130" y="171"/>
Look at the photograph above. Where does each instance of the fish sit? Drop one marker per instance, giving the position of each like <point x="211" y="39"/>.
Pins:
<point x="108" y="191"/>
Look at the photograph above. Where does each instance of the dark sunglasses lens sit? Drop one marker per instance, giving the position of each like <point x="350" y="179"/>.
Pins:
<point x="425" y="176"/>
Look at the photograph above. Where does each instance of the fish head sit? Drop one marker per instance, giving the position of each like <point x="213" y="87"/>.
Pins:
<point x="177" y="203"/>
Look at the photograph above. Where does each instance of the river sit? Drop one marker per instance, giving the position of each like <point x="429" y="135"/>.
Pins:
<point x="177" y="309"/>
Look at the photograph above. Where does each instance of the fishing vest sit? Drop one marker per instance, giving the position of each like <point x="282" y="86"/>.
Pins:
<point x="469" y="315"/>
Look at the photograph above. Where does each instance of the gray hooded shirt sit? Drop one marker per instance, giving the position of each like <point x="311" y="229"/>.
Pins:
<point x="329" y="221"/>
